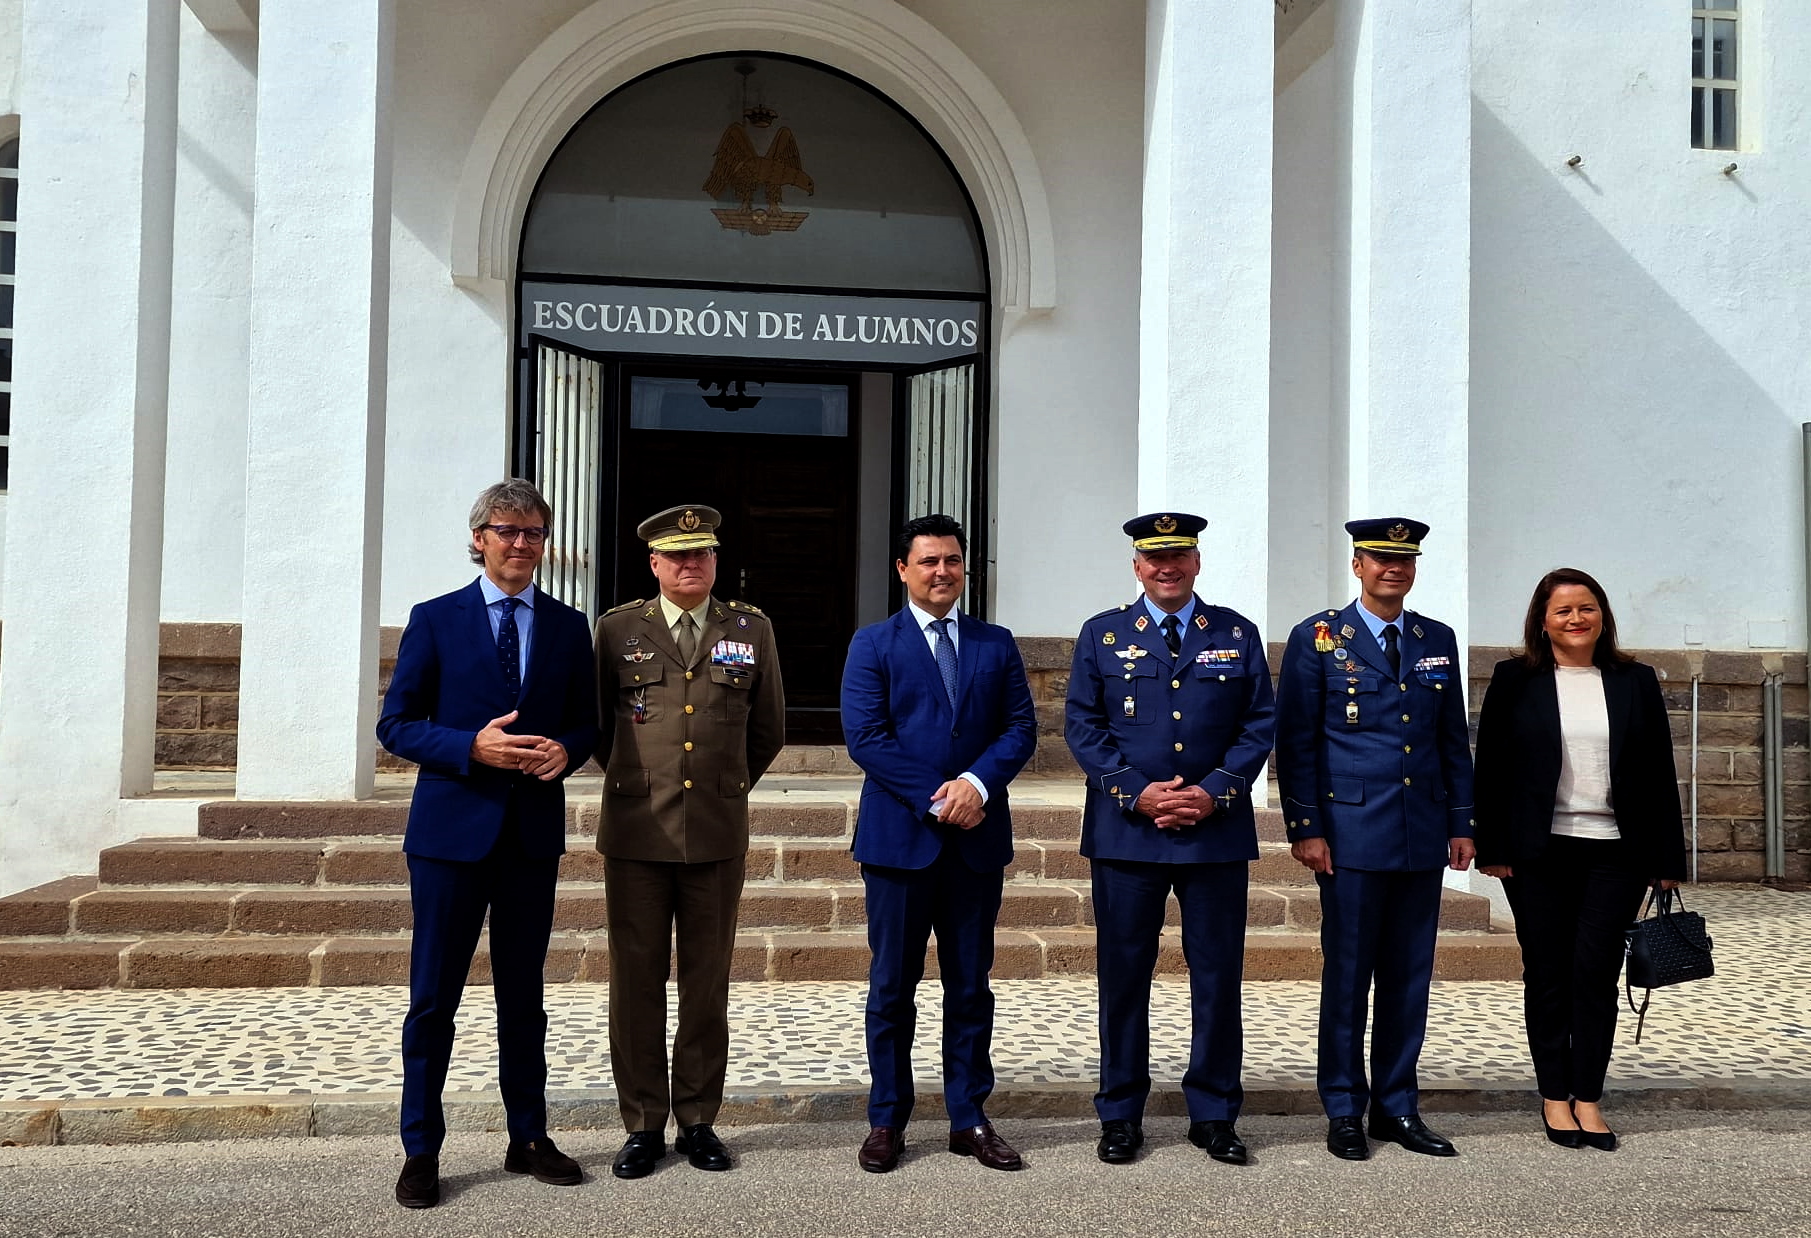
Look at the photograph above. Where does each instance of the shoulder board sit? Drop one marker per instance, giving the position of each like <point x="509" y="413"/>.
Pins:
<point x="1108" y="613"/>
<point x="745" y="606"/>
<point x="625" y="606"/>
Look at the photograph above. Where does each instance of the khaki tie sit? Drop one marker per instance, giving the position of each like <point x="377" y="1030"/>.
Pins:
<point x="688" y="638"/>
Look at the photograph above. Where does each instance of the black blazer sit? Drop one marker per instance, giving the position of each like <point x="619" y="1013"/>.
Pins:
<point x="1518" y="767"/>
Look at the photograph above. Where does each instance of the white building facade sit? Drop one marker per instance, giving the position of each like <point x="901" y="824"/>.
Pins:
<point x="293" y="281"/>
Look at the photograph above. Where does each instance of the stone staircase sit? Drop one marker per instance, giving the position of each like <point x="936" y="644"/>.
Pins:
<point x="282" y="894"/>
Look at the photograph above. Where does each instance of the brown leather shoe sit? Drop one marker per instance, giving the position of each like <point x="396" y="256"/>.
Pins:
<point x="880" y="1150"/>
<point x="985" y="1145"/>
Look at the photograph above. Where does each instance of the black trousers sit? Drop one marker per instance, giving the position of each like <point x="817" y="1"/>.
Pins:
<point x="1572" y="908"/>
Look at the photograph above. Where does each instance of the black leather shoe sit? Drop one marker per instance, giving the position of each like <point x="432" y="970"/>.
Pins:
<point x="1120" y="1139"/>
<point x="880" y="1150"/>
<point x="546" y="1162"/>
<point x="1573" y="1138"/>
<point x="419" y="1186"/>
<point x="702" y="1147"/>
<point x="640" y="1154"/>
<point x="1412" y="1133"/>
<point x="1346" y="1139"/>
<point x="1603" y="1141"/>
<point x="1220" y="1140"/>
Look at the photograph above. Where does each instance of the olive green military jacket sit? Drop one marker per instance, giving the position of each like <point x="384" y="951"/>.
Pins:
<point x="682" y="745"/>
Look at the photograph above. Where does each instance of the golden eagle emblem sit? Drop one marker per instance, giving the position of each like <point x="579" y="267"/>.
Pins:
<point x="741" y="173"/>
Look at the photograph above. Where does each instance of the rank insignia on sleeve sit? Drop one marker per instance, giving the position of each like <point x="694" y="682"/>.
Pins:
<point x="1201" y="622"/>
<point x="1108" y="639"/>
<point x="1323" y="637"/>
<point x="1142" y="622"/>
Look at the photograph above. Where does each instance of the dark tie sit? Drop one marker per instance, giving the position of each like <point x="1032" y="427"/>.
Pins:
<point x="688" y="638"/>
<point x="1391" y="652"/>
<point x="946" y="658"/>
<point x="509" y="649"/>
<point x="1172" y="634"/>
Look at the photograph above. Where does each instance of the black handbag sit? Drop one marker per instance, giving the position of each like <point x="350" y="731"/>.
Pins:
<point x="1668" y="947"/>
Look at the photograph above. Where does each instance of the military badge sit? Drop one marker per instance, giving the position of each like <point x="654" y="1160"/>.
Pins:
<point x="1142" y="622"/>
<point x="1419" y="634"/>
<point x="1237" y="634"/>
<point x="688" y="523"/>
<point x="1346" y="631"/>
<point x="640" y="655"/>
<point x="1108" y="639"/>
<point x="732" y="653"/>
<point x="741" y="621"/>
<point x="1323" y="637"/>
<point x="1201" y="622"/>
<point x="1165" y="524"/>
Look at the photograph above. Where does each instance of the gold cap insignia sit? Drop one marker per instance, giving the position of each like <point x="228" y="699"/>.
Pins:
<point x="1165" y="524"/>
<point x="688" y="523"/>
<point x="1397" y="533"/>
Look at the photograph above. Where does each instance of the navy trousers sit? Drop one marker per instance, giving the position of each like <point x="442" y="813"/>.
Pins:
<point x="1375" y="926"/>
<point x="1129" y="901"/>
<point x="450" y="900"/>
<point x="904" y="906"/>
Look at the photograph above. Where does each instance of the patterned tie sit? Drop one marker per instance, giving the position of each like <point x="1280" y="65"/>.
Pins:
<point x="509" y="649"/>
<point x="946" y="658"/>
<point x="1172" y="634"/>
<point x="1390" y="650"/>
<point x="688" y="638"/>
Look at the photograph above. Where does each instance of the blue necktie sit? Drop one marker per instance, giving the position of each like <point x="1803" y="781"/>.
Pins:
<point x="946" y="658"/>
<point x="509" y="649"/>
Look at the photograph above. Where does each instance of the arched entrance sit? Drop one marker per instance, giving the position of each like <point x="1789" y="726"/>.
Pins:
<point x="751" y="281"/>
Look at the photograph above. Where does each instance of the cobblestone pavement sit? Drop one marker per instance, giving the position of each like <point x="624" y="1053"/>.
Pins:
<point x="1750" y="1024"/>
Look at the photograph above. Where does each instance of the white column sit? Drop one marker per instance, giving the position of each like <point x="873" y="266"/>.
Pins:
<point x="78" y="681"/>
<point x="314" y="450"/>
<point x="1404" y="236"/>
<point x="1204" y="335"/>
<point x="1405" y="295"/>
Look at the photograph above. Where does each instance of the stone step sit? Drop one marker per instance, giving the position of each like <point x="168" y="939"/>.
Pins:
<point x="379" y="861"/>
<point x="78" y="908"/>
<point x="197" y="961"/>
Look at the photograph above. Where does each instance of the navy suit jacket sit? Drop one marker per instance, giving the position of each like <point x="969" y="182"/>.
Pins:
<point x="1136" y="716"/>
<point x="1378" y="766"/>
<point x="899" y="727"/>
<point x="447" y="684"/>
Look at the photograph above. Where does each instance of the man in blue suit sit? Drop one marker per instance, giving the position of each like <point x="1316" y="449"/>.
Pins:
<point x="937" y="712"/>
<point x="1375" y="773"/>
<point x="1169" y="716"/>
<point x="495" y="698"/>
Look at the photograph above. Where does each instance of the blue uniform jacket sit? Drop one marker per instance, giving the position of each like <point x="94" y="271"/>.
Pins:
<point x="1133" y="717"/>
<point x="1378" y="767"/>
<point x="899" y="728"/>
<point x="447" y="684"/>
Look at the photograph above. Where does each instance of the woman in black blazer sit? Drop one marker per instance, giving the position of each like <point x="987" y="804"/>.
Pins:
<point x="1577" y="812"/>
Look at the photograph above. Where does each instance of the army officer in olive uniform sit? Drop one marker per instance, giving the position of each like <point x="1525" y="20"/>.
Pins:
<point x="693" y="714"/>
<point x="1170" y="716"/>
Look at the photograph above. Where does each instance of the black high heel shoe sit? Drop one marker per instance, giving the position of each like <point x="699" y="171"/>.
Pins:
<point x="1603" y="1141"/>
<point x="1564" y="1138"/>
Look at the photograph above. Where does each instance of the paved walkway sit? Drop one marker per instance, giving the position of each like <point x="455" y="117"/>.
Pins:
<point x="128" y="1065"/>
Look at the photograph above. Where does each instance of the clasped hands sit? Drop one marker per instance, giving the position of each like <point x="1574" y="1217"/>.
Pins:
<point x="962" y="805"/>
<point x="532" y="754"/>
<point x="1171" y="805"/>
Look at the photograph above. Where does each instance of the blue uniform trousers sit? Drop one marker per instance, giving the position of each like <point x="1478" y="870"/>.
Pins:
<point x="1129" y="898"/>
<point x="1379" y="925"/>
<point x="450" y="898"/>
<point x="904" y="905"/>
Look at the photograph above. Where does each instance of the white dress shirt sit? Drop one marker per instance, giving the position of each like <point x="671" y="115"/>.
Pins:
<point x="924" y="619"/>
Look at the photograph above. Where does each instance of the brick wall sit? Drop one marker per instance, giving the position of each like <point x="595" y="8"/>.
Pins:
<point x="198" y="709"/>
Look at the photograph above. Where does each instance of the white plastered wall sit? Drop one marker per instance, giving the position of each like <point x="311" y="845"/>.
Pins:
<point x="1640" y="351"/>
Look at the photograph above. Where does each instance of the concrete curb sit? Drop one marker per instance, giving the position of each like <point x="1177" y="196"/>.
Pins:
<point x="188" y="1119"/>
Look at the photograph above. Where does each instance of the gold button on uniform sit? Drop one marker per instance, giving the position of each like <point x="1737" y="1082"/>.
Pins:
<point x="688" y="674"/>
<point x="1408" y="782"/>
<point x="688" y="745"/>
<point x="1351" y="691"/>
<point x="1176" y="714"/>
<point x="1406" y="748"/>
<point x="1405" y="717"/>
<point x="688" y="784"/>
<point x="1402" y="687"/>
<point x="1175" y="683"/>
<point x="689" y="709"/>
<point x="638" y="679"/>
<point x="1178" y="747"/>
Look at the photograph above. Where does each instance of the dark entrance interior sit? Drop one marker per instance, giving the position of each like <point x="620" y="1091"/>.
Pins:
<point x="775" y="451"/>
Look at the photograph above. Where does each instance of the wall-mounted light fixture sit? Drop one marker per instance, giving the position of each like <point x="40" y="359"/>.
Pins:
<point x="1729" y="169"/>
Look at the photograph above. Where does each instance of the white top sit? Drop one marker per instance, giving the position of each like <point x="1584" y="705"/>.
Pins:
<point x="924" y="619"/>
<point x="1581" y="803"/>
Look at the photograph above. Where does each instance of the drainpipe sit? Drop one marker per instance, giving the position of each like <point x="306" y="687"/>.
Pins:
<point x="1772" y="781"/>
<point x="1696" y="680"/>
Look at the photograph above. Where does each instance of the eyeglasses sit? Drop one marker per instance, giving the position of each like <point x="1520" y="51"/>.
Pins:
<point x="534" y="535"/>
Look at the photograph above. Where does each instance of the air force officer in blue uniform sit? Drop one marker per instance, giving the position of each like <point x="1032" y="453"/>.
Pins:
<point x="495" y="698"/>
<point x="1170" y="716"/>
<point x="937" y="712"/>
<point x="1376" y="779"/>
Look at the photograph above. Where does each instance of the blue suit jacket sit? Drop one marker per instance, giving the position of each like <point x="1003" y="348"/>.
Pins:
<point x="447" y="685"/>
<point x="1135" y="716"/>
<point x="899" y="727"/>
<point x="1378" y="767"/>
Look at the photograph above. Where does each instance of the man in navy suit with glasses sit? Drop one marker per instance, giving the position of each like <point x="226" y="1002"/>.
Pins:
<point x="938" y="713"/>
<point x="495" y="698"/>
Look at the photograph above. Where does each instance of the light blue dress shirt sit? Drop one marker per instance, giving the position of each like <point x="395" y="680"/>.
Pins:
<point x="493" y="606"/>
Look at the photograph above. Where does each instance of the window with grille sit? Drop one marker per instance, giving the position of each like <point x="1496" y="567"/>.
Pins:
<point x="1715" y="85"/>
